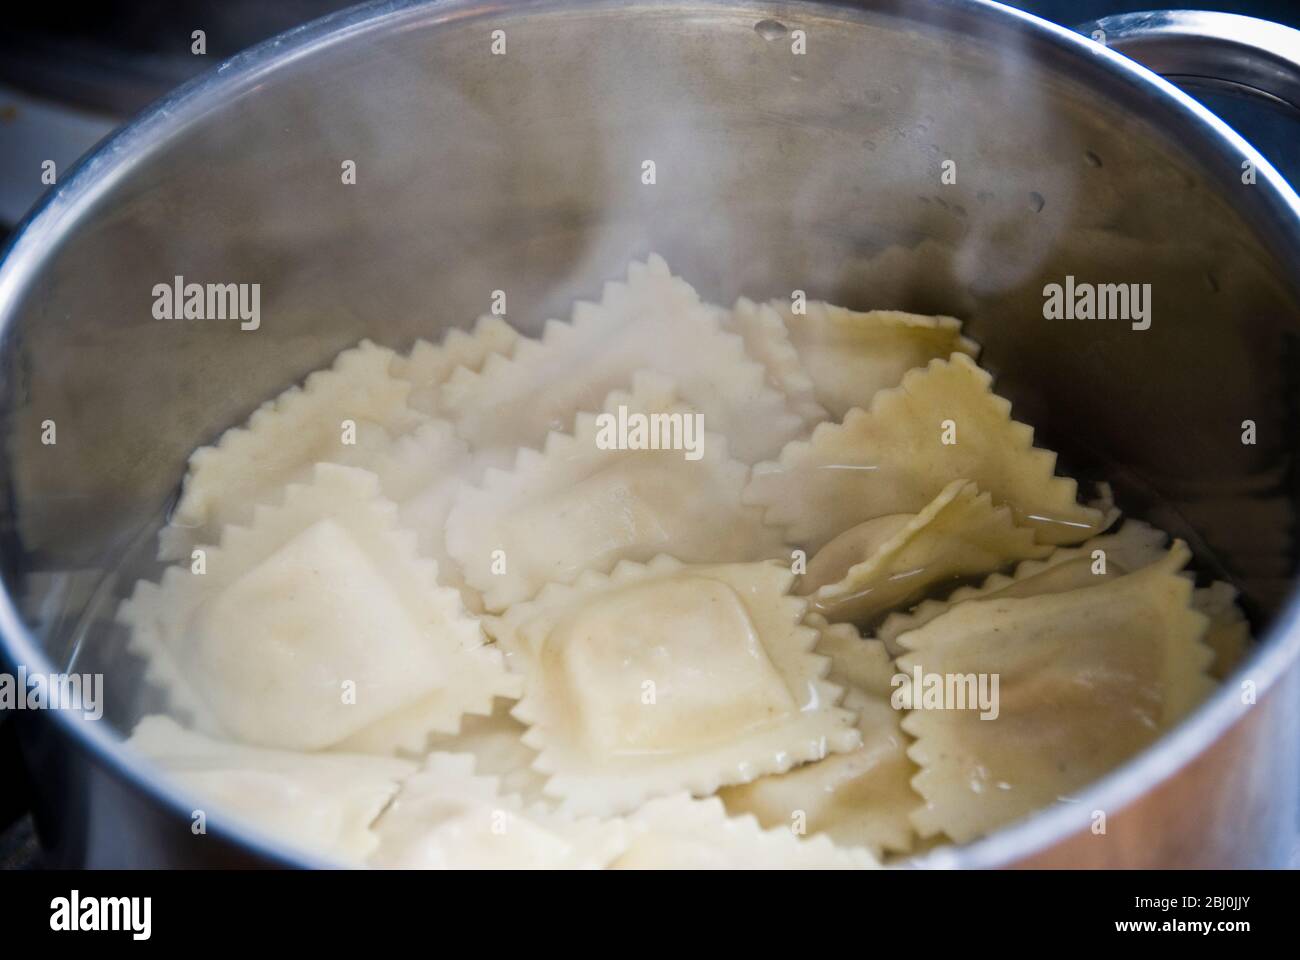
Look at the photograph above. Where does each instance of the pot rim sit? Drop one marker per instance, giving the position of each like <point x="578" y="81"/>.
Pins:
<point x="94" y="176"/>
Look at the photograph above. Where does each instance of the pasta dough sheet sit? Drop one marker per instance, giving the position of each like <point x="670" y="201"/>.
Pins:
<point x="669" y="676"/>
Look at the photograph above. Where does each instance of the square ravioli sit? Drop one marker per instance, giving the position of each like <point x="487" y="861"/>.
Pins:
<point x="585" y="504"/>
<point x="1086" y="679"/>
<point x="284" y="439"/>
<point x="668" y="676"/>
<point x="642" y="323"/>
<point x="942" y="423"/>
<point x="326" y="580"/>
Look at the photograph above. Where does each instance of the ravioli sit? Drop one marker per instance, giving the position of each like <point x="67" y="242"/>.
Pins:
<point x="327" y="580"/>
<point x="447" y="817"/>
<point x="894" y="458"/>
<point x="284" y="439"/>
<point x="669" y="677"/>
<point x="579" y="507"/>
<point x="893" y="560"/>
<point x="682" y="833"/>
<point x="653" y="321"/>
<point x="324" y="802"/>
<point x="851" y="356"/>
<point x="1087" y="679"/>
<point x="863" y="798"/>
<point x="1134" y="546"/>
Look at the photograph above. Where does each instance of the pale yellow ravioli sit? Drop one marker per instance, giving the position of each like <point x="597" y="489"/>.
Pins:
<point x="861" y="798"/>
<point x="667" y="676"/>
<point x="339" y="415"/>
<point x="325" y="802"/>
<point x="851" y="356"/>
<point x="652" y="321"/>
<point x="585" y="504"/>
<point x="885" y="563"/>
<point x="317" y="624"/>
<point x="1086" y="678"/>
<point x="682" y="833"/>
<point x="1132" y="547"/>
<point x="942" y="423"/>
<point x="447" y="816"/>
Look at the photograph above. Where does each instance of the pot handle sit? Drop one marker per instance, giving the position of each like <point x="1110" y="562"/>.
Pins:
<point x="1207" y="50"/>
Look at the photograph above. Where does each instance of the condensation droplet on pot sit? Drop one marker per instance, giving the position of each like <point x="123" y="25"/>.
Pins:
<point x="1036" y="201"/>
<point x="770" y="29"/>
<point x="1092" y="158"/>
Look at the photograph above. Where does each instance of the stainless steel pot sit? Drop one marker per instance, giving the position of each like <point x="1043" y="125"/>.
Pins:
<point x="775" y="170"/>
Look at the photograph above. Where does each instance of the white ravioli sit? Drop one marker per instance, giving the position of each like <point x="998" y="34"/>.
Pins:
<point x="428" y="365"/>
<point x="861" y="798"/>
<point x="284" y="439"/>
<point x="582" y="506"/>
<point x="682" y="833"/>
<point x="893" y="560"/>
<point x="315" y="623"/>
<point x="653" y="321"/>
<point x="1087" y="679"/>
<point x="768" y="341"/>
<point x="668" y="676"/>
<point x="446" y="816"/>
<point x="851" y="356"/>
<point x="1132" y="547"/>
<point x="893" y="459"/>
<point x="325" y="802"/>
